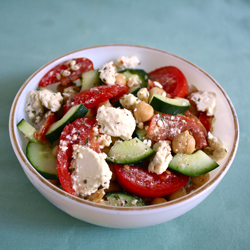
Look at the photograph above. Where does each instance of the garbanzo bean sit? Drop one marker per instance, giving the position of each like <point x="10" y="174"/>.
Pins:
<point x="155" y="90"/>
<point x="143" y="112"/>
<point x="177" y="194"/>
<point x="183" y="143"/>
<point x="120" y="79"/>
<point x="198" y="181"/>
<point x="158" y="200"/>
<point x="106" y="104"/>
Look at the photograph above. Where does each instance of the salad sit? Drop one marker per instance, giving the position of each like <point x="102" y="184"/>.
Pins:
<point x="119" y="135"/>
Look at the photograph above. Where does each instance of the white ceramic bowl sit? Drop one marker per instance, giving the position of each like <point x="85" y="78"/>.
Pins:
<point x="226" y="128"/>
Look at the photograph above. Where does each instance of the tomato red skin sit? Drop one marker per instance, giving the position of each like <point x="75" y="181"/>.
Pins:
<point x="206" y="121"/>
<point x="44" y="126"/>
<point x="174" y="124"/>
<point x="82" y="128"/>
<point x="172" y="79"/>
<point x="94" y="96"/>
<point x="138" y="181"/>
<point x="51" y="76"/>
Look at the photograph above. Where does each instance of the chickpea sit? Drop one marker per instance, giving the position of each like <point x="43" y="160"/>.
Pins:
<point x="106" y="104"/>
<point x="158" y="200"/>
<point x="183" y="143"/>
<point x="120" y="79"/>
<point x="155" y="90"/>
<point x="198" y="181"/>
<point x="143" y="112"/>
<point x="177" y="194"/>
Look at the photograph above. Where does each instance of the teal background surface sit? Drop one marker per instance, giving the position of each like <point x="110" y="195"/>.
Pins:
<point x="213" y="34"/>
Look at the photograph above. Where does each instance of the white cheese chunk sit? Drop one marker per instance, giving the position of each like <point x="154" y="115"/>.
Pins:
<point x="116" y="122"/>
<point x="108" y="73"/>
<point x="143" y="95"/>
<point x="129" y="101"/>
<point x="205" y="101"/>
<point x="163" y="156"/>
<point x="39" y="100"/>
<point x="127" y="62"/>
<point x="89" y="170"/>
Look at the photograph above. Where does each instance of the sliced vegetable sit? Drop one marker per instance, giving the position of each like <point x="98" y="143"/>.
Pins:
<point x="92" y="97"/>
<point x="131" y="151"/>
<point x="48" y="120"/>
<point x="172" y="106"/>
<point x="82" y="132"/>
<point x="27" y="130"/>
<point x="141" y="134"/>
<point x="90" y="79"/>
<point x="206" y="121"/>
<point x="73" y="72"/>
<point x="54" y="131"/>
<point x="41" y="158"/>
<point x="172" y="80"/>
<point x="194" y="164"/>
<point x="138" y="181"/>
<point x="166" y="127"/>
<point x="123" y="200"/>
<point x="138" y="74"/>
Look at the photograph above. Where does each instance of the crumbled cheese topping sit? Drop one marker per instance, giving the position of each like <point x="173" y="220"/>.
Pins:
<point x="39" y="100"/>
<point x="163" y="156"/>
<point x="89" y="170"/>
<point x="127" y="62"/>
<point x="116" y="122"/>
<point x="129" y="101"/>
<point x="205" y="101"/>
<point x="108" y="73"/>
<point x="143" y="94"/>
<point x="104" y="141"/>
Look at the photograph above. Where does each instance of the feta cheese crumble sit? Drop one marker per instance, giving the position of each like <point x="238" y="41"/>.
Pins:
<point x="205" y="101"/>
<point x="89" y="170"/>
<point x="108" y="73"/>
<point x="127" y="62"/>
<point x="39" y="100"/>
<point x="116" y="122"/>
<point x="129" y="101"/>
<point x="163" y="156"/>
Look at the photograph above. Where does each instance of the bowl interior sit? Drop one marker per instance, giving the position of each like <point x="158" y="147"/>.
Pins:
<point x="226" y="125"/>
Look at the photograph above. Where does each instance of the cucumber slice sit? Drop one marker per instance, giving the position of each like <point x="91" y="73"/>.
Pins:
<point x="90" y="79"/>
<point x="138" y="74"/>
<point x="172" y="106"/>
<point x="195" y="164"/>
<point x="27" y="130"/>
<point x="131" y="151"/>
<point x="41" y="158"/>
<point x="141" y="134"/>
<point x="123" y="200"/>
<point x="75" y="112"/>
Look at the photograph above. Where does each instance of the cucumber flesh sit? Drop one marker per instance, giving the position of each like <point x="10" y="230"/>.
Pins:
<point x="41" y="158"/>
<point x="127" y="152"/>
<point x="194" y="164"/>
<point x="27" y="130"/>
<point x="139" y="74"/>
<point x="172" y="106"/>
<point x="90" y="79"/>
<point x="75" y="112"/>
<point x="141" y="134"/>
<point x="123" y="200"/>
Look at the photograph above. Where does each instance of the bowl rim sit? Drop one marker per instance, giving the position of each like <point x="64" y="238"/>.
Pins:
<point x="21" y="156"/>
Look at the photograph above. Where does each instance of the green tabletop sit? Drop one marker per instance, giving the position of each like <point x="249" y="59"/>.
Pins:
<point x="213" y="34"/>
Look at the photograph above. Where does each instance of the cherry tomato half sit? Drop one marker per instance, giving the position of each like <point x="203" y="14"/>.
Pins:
<point x="94" y="96"/>
<point x="172" y="79"/>
<point x="173" y="125"/>
<point x="83" y="133"/>
<point x="138" y="181"/>
<point x="83" y="65"/>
